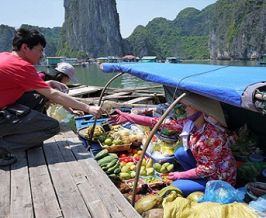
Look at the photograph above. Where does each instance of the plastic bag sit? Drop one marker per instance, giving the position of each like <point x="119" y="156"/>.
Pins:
<point x="184" y="208"/>
<point x="222" y="192"/>
<point x="259" y="204"/>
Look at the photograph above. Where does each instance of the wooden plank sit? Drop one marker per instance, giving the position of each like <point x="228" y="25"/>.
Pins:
<point x="5" y="192"/>
<point x="71" y="202"/>
<point x="84" y="90"/>
<point x="136" y="88"/>
<point x="112" y="104"/>
<point x="117" y="94"/>
<point x="135" y="100"/>
<point x="21" y="203"/>
<point x="133" y="96"/>
<point x="85" y="185"/>
<point x="113" y="199"/>
<point x="44" y="198"/>
<point x="117" y="205"/>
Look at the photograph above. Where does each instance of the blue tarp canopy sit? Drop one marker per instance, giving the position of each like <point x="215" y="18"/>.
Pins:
<point x="223" y="83"/>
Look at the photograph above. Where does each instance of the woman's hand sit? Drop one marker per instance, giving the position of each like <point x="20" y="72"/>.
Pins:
<point x="122" y="117"/>
<point x="117" y="118"/>
<point x="189" y="174"/>
<point x="174" y="175"/>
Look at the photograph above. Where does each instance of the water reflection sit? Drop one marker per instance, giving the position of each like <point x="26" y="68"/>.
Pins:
<point x="93" y="76"/>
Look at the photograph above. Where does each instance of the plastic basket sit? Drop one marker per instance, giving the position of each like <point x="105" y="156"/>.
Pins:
<point x="82" y="123"/>
<point x="170" y="159"/>
<point x="87" y="120"/>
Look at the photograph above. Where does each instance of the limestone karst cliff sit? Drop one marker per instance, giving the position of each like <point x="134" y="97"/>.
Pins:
<point x="92" y="26"/>
<point x="238" y="29"/>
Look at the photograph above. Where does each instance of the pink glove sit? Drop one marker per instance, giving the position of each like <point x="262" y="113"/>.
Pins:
<point x="122" y="117"/>
<point x="189" y="174"/>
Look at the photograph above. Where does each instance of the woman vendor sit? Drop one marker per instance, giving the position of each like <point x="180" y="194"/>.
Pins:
<point x="205" y="154"/>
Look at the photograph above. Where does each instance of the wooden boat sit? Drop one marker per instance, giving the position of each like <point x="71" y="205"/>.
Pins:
<point x="62" y="179"/>
<point x="121" y="97"/>
<point x="148" y="59"/>
<point x="240" y="90"/>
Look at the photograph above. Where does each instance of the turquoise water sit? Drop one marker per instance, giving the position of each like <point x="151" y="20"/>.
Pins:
<point x="93" y="76"/>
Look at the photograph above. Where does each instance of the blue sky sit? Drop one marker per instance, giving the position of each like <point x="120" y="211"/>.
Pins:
<point x="50" y="13"/>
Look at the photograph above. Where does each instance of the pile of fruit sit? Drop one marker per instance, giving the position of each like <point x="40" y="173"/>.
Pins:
<point x="98" y="131"/>
<point x="163" y="168"/>
<point x="128" y="171"/>
<point x="146" y="168"/>
<point x="160" y="148"/>
<point x="119" y="136"/>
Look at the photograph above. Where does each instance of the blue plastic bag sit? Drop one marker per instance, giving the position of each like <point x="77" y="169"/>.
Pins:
<point x="222" y="192"/>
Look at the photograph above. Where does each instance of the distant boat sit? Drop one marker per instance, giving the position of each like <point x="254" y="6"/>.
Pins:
<point x="173" y="60"/>
<point x="148" y="59"/>
<point x="263" y="61"/>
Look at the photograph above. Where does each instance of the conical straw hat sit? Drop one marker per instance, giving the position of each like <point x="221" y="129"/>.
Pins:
<point x="206" y="105"/>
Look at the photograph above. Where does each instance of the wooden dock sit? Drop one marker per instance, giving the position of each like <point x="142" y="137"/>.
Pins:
<point x="61" y="179"/>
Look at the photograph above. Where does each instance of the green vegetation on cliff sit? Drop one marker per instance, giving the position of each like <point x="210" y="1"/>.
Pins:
<point x="228" y="29"/>
<point x="185" y="37"/>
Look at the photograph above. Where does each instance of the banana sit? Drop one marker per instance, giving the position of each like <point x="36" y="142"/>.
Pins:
<point x="167" y="190"/>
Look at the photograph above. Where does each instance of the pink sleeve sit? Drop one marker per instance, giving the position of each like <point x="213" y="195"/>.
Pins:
<point x="175" y="125"/>
<point x="189" y="174"/>
<point x="41" y="75"/>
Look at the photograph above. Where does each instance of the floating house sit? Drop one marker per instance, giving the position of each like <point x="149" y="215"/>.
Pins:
<point x="108" y="59"/>
<point x="263" y="59"/>
<point x="53" y="61"/>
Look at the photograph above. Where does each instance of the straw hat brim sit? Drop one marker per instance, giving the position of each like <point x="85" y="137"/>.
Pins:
<point x="206" y="105"/>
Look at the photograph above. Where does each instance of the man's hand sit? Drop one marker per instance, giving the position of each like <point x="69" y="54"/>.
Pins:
<point x="78" y="112"/>
<point x="57" y="85"/>
<point x="95" y="111"/>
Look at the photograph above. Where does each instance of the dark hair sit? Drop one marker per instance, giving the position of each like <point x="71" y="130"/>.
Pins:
<point x="30" y="37"/>
<point x="58" y="76"/>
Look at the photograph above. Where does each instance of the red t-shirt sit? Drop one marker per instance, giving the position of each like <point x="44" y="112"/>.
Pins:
<point x="16" y="77"/>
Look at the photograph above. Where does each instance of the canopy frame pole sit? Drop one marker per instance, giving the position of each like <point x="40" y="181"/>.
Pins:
<point x="147" y="142"/>
<point x="100" y="102"/>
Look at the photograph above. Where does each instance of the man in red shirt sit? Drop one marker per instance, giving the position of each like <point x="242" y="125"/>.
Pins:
<point x="21" y="127"/>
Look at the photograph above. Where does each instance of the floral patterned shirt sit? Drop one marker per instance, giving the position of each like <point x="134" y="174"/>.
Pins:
<point x="210" y="148"/>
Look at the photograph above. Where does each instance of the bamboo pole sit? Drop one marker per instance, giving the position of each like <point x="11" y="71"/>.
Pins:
<point x="99" y="104"/>
<point x="145" y="146"/>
